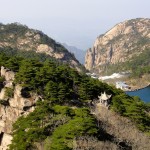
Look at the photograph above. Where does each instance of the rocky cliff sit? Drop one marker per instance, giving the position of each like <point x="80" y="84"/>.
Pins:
<point x="123" y="42"/>
<point x="13" y="103"/>
<point x="19" y="37"/>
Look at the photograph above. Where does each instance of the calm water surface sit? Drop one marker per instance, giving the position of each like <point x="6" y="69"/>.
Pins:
<point x="144" y="94"/>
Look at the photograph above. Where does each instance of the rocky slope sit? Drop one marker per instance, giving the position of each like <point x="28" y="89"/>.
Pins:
<point x="121" y="130"/>
<point x="19" y="37"/>
<point x="13" y="104"/>
<point x="122" y="43"/>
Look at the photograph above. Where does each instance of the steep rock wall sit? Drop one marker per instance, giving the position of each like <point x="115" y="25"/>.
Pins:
<point x="11" y="108"/>
<point x="125" y="40"/>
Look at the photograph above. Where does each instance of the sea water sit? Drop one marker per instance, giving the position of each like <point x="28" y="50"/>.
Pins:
<point x="144" y="94"/>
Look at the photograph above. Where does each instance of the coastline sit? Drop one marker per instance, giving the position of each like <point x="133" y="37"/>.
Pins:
<point x="137" y="89"/>
<point x="143" y="94"/>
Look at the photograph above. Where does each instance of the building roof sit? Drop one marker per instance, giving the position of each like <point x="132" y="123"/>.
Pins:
<point x="121" y="84"/>
<point x="104" y="96"/>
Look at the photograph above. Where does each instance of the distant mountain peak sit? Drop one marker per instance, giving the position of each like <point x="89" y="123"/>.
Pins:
<point x="79" y="53"/>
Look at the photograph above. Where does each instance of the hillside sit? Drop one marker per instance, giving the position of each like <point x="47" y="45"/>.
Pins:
<point x="50" y="106"/>
<point x="17" y="37"/>
<point x="79" y="53"/>
<point x="125" y="47"/>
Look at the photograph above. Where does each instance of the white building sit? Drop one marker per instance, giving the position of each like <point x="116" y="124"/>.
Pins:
<point x="122" y="85"/>
<point x="104" y="99"/>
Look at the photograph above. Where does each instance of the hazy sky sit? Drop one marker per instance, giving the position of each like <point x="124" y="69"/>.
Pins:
<point x="75" y="22"/>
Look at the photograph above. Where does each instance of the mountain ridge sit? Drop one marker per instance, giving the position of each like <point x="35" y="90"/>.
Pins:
<point x="121" y="43"/>
<point x="16" y="36"/>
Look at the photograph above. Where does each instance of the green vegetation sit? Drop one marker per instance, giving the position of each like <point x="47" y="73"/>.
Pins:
<point x="133" y="108"/>
<point x="14" y="31"/>
<point x="141" y="64"/>
<point x="2" y="79"/>
<point x="138" y="65"/>
<point x="10" y="52"/>
<point x="61" y="87"/>
<point x="59" y="123"/>
<point x="56" y="82"/>
<point x="64" y="114"/>
<point x="9" y="92"/>
<point x="20" y="40"/>
<point x="82" y="123"/>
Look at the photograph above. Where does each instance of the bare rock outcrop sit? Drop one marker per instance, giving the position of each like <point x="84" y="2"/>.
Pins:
<point x="11" y="108"/>
<point x="124" y="41"/>
<point x="43" y="48"/>
<point x="7" y="73"/>
<point x="25" y="39"/>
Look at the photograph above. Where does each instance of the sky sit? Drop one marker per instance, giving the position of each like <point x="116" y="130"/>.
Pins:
<point x="75" y="22"/>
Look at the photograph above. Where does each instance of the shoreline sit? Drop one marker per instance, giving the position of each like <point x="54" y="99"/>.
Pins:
<point x="137" y="89"/>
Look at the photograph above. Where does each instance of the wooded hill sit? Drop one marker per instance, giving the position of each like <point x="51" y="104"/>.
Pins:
<point x="62" y="115"/>
<point x="18" y="38"/>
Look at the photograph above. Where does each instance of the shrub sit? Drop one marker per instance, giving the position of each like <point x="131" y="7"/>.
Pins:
<point x="9" y="92"/>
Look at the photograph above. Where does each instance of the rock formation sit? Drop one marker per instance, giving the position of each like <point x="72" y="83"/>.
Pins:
<point x="11" y="108"/>
<point x="19" y="37"/>
<point x="120" y="44"/>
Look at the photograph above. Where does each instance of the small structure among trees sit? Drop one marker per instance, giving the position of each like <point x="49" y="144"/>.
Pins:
<point x="122" y="86"/>
<point x="104" y="99"/>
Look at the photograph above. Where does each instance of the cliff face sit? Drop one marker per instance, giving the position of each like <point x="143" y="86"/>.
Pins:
<point x="120" y="44"/>
<point x="12" y="106"/>
<point x="19" y="37"/>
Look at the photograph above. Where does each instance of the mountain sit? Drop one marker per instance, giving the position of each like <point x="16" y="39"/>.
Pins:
<point x="79" y="53"/>
<point x="46" y="105"/>
<point x="20" y="38"/>
<point x="121" y="48"/>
